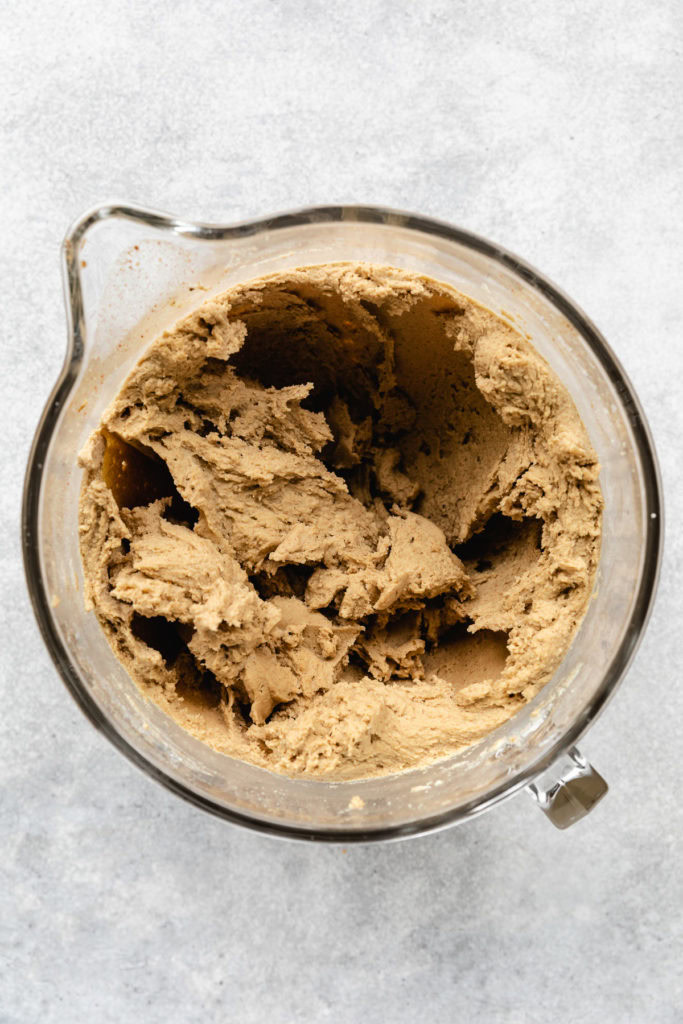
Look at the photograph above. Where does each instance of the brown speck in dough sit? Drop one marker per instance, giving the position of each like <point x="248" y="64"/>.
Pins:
<point x="341" y="521"/>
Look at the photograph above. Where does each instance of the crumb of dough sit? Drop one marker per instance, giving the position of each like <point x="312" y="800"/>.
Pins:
<point x="340" y="521"/>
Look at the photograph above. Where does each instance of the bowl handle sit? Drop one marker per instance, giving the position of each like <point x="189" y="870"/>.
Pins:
<point x="568" y="790"/>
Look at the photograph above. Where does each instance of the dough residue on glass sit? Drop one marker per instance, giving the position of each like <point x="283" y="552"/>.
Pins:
<point x="340" y="521"/>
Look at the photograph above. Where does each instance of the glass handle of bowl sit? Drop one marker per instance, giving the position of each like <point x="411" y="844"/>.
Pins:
<point x="569" y="789"/>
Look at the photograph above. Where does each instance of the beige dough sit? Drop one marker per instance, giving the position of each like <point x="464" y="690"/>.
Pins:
<point x="340" y="521"/>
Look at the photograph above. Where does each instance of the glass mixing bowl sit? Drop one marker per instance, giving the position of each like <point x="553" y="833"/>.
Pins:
<point x="130" y="273"/>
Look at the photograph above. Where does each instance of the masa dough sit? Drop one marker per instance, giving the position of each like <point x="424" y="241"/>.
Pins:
<point x="340" y="521"/>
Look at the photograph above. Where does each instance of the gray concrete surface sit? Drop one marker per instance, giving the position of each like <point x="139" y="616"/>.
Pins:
<point x="552" y="128"/>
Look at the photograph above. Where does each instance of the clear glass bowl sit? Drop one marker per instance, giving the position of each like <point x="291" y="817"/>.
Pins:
<point x="129" y="273"/>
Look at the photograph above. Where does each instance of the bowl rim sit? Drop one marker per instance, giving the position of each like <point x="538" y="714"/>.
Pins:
<point x="651" y="480"/>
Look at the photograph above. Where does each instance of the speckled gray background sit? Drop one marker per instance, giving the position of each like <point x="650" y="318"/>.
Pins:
<point x="553" y="128"/>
